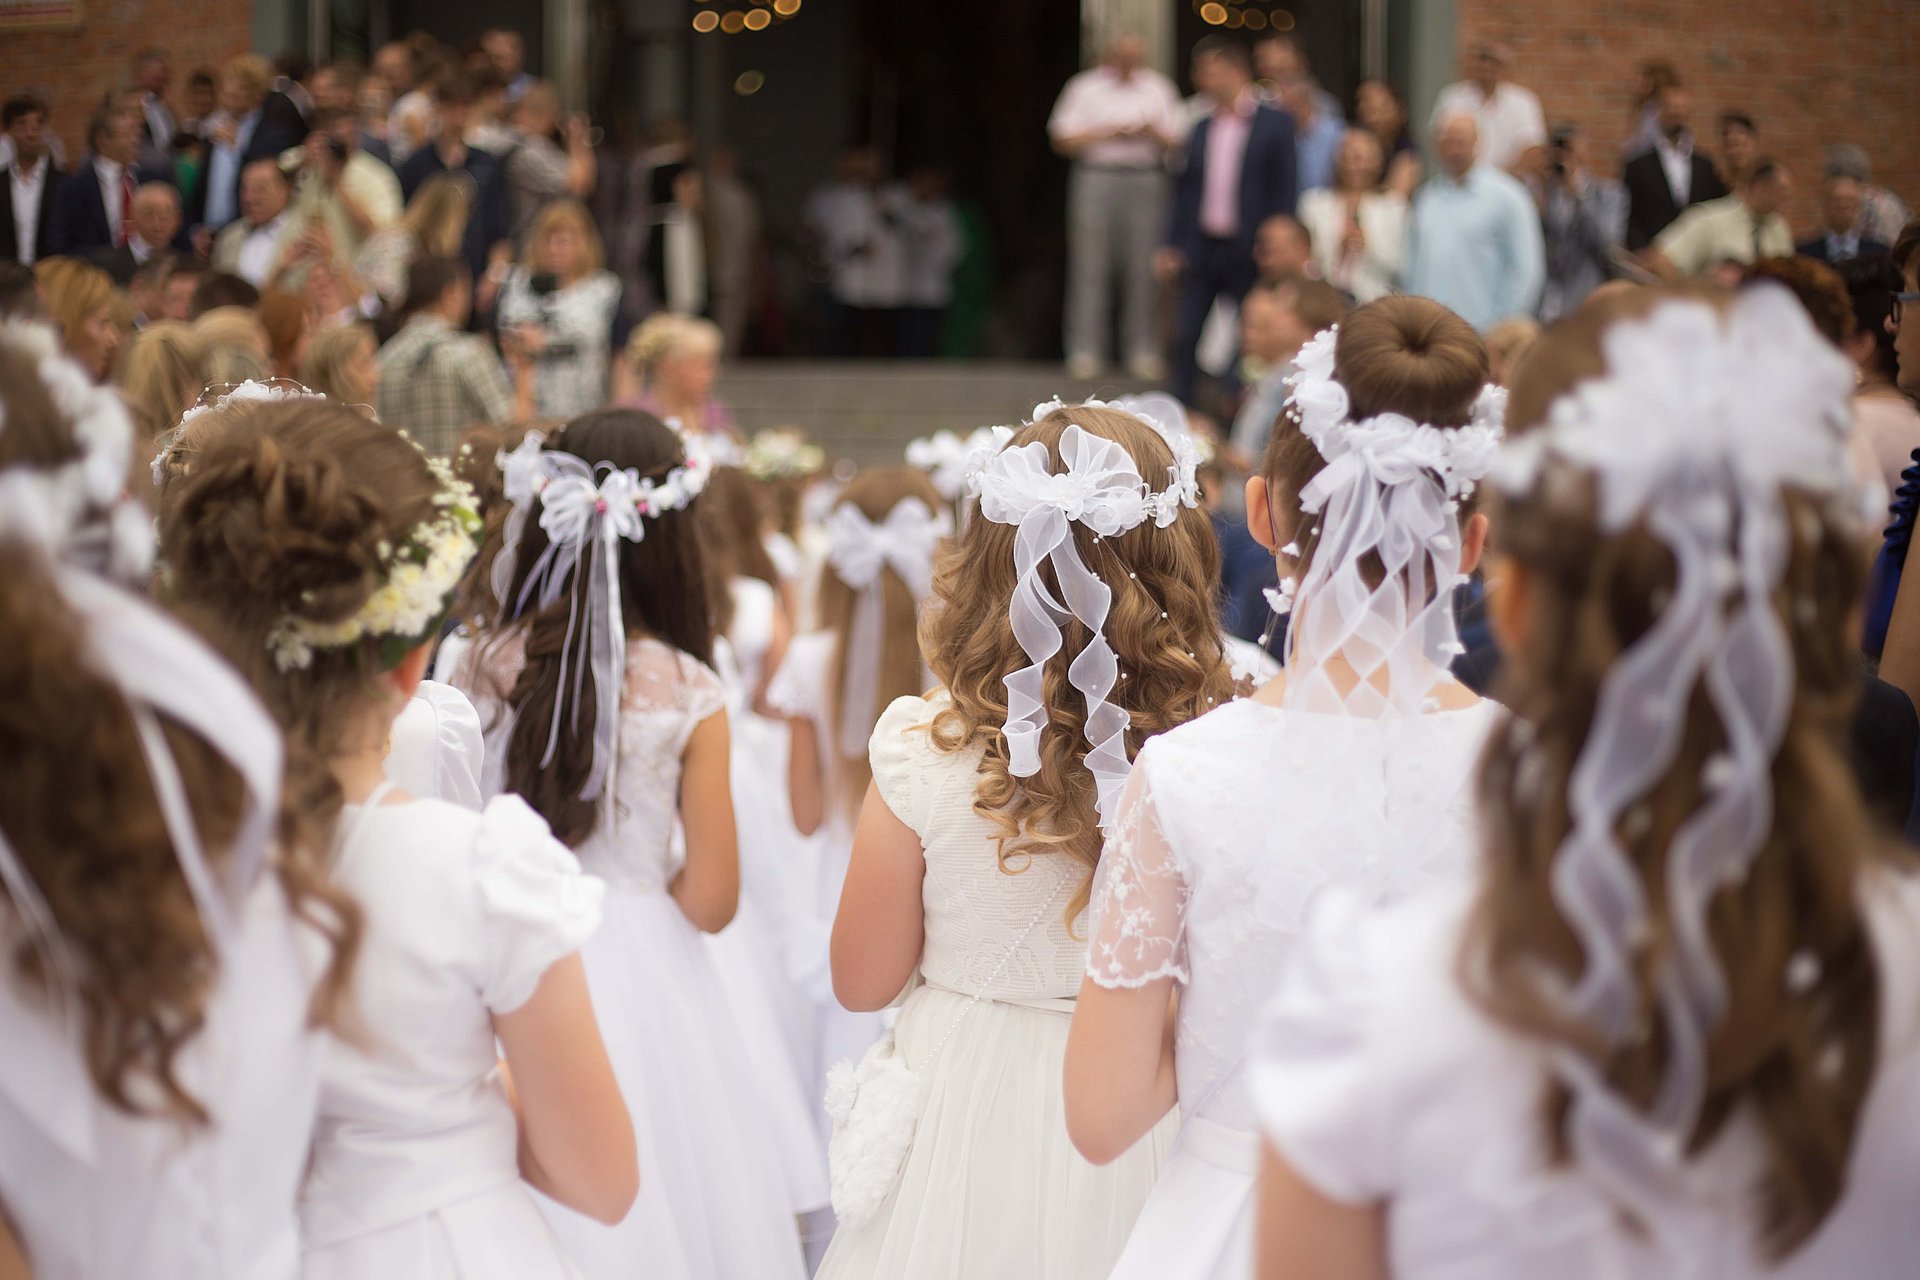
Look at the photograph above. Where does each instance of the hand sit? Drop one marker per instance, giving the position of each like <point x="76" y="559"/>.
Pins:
<point x="226" y="132"/>
<point x="1355" y="241"/>
<point x="577" y="130"/>
<point x="1168" y="263"/>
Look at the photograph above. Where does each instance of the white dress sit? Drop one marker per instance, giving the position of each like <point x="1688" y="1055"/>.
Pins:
<point x="94" y="1193"/>
<point x="750" y="954"/>
<point x="437" y="750"/>
<point x="1377" y="1079"/>
<point x="800" y="688"/>
<point x="1231" y="826"/>
<point x="711" y="1205"/>
<point x="415" y="1170"/>
<point x="992" y="1186"/>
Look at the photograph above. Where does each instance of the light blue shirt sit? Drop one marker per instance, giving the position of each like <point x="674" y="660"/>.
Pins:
<point x="223" y="173"/>
<point x="1315" y="150"/>
<point x="1475" y="245"/>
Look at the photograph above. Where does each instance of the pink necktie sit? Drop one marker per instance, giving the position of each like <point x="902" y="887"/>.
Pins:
<point x="126" y="206"/>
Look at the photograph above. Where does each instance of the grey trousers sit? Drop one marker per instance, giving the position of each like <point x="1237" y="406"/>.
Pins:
<point x="1116" y="218"/>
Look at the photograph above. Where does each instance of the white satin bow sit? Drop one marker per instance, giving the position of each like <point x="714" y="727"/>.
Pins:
<point x="859" y="552"/>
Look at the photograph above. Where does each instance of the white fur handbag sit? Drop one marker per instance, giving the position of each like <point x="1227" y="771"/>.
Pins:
<point x="875" y="1107"/>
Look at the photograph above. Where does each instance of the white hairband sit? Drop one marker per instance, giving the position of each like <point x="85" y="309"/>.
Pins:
<point x="1101" y="490"/>
<point x="1704" y="418"/>
<point x="585" y="511"/>
<point x="1390" y="491"/>
<point x="859" y="552"/>
<point x="216" y="397"/>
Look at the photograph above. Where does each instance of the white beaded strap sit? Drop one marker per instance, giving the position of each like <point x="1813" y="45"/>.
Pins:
<point x="993" y="977"/>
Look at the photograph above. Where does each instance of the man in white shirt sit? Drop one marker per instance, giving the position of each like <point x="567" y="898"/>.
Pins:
<point x="1742" y="228"/>
<point x="1117" y="123"/>
<point x="30" y="181"/>
<point x="152" y="226"/>
<point x="1669" y="177"/>
<point x="340" y="186"/>
<point x="931" y="247"/>
<point x="1513" y="130"/>
<point x="92" y="206"/>
<point x="250" y="248"/>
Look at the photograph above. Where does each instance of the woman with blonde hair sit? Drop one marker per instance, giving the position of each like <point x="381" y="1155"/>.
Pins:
<point x="558" y="307"/>
<point x="1359" y="224"/>
<point x="161" y="375"/>
<point x="1670" y="1027"/>
<point x="234" y="345"/>
<point x="975" y="848"/>
<point x="1346" y="771"/>
<point x="80" y="303"/>
<point x="433" y="225"/>
<point x="670" y="367"/>
<point x="341" y="364"/>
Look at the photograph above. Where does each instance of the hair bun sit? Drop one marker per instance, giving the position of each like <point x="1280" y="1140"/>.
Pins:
<point x="1410" y="355"/>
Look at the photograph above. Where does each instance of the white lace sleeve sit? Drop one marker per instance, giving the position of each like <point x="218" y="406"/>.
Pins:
<point x="1139" y="911"/>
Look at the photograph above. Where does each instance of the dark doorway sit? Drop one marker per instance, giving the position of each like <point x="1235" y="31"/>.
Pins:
<point x="461" y="25"/>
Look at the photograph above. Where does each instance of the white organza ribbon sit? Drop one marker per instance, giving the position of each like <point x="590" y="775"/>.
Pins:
<point x="1703" y="421"/>
<point x="859" y="551"/>
<point x="1101" y="490"/>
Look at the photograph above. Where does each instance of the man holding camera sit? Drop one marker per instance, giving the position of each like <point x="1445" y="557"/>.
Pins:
<point x="1581" y="219"/>
<point x="340" y="186"/>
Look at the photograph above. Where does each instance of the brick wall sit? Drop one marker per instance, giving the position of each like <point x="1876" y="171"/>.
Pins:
<point x="71" y="69"/>
<point x="1810" y="72"/>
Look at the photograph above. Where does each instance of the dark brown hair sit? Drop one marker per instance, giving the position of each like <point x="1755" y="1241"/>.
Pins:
<point x="1593" y="595"/>
<point x="663" y="593"/>
<point x="79" y="810"/>
<point x="731" y="524"/>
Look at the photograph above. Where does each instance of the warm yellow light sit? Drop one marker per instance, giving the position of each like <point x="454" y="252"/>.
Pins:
<point x="748" y="83"/>
<point x="1213" y="14"/>
<point x="758" y="19"/>
<point x="705" y="21"/>
<point x="1235" y="19"/>
<point x="733" y="24"/>
<point x="1282" y="20"/>
<point x="786" y="8"/>
<point x="1256" y="20"/>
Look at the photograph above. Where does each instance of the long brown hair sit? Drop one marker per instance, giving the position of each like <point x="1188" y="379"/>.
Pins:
<point x="663" y="593"/>
<point x="1163" y="627"/>
<point x="899" y="672"/>
<point x="1593" y="594"/>
<point x="79" y="811"/>
<point x="732" y="525"/>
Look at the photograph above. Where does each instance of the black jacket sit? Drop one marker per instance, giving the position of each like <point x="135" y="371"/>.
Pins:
<point x="1650" y="203"/>
<point x="80" y="223"/>
<point x="43" y="226"/>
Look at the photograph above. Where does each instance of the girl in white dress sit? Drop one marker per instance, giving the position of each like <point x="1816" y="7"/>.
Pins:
<point x="1350" y="768"/>
<point x="972" y="857"/>
<point x="320" y="552"/>
<point x="751" y="952"/>
<point x="605" y="715"/>
<point x="832" y="686"/>
<point x="159" y="1062"/>
<point x="1674" y="1030"/>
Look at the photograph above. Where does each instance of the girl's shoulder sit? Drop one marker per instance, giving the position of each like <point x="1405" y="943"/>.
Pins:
<point x="663" y="678"/>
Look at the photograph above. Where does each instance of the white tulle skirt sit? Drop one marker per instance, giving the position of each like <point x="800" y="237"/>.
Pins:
<point x="1198" y="1223"/>
<point x="712" y="1205"/>
<point x="992" y="1186"/>
<point x="496" y="1235"/>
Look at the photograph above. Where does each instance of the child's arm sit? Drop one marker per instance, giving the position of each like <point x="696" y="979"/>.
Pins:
<point x="806" y="776"/>
<point x="878" y="932"/>
<point x="708" y="886"/>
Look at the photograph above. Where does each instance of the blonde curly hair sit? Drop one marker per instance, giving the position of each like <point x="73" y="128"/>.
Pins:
<point x="663" y="334"/>
<point x="1164" y="628"/>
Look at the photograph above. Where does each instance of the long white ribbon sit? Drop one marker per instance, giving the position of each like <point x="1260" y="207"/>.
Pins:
<point x="859" y="551"/>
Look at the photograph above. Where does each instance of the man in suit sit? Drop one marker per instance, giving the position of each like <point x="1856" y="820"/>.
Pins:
<point x="1840" y="237"/>
<point x="489" y="223"/>
<point x="254" y="123"/>
<point x="93" y="205"/>
<point x="1670" y="178"/>
<point x="157" y="124"/>
<point x="156" y="221"/>
<point x="253" y="246"/>
<point x="1241" y="170"/>
<point x="26" y="216"/>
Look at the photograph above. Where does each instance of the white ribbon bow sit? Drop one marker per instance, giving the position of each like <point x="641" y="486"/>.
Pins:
<point x="1102" y="490"/>
<point x="859" y="552"/>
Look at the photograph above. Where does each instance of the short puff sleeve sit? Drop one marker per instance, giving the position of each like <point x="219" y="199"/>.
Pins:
<point x="536" y="905"/>
<point x="437" y="748"/>
<point x="898" y="752"/>
<point x="1138" y="912"/>
<point x="1316" y="1075"/>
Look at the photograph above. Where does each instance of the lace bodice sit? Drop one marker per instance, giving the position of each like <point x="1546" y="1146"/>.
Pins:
<point x="667" y="695"/>
<point x="1230" y="828"/>
<point x="974" y="910"/>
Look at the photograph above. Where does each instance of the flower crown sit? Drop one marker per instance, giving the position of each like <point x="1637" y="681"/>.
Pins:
<point x="218" y="396"/>
<point x="420" y="576"/>
<point x="781" y="453"/>
<point x="573" y="494"/>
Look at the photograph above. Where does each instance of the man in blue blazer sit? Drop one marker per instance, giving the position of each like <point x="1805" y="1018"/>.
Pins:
<point x="82" y="223"/>
<point x="1241" y="170"/>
